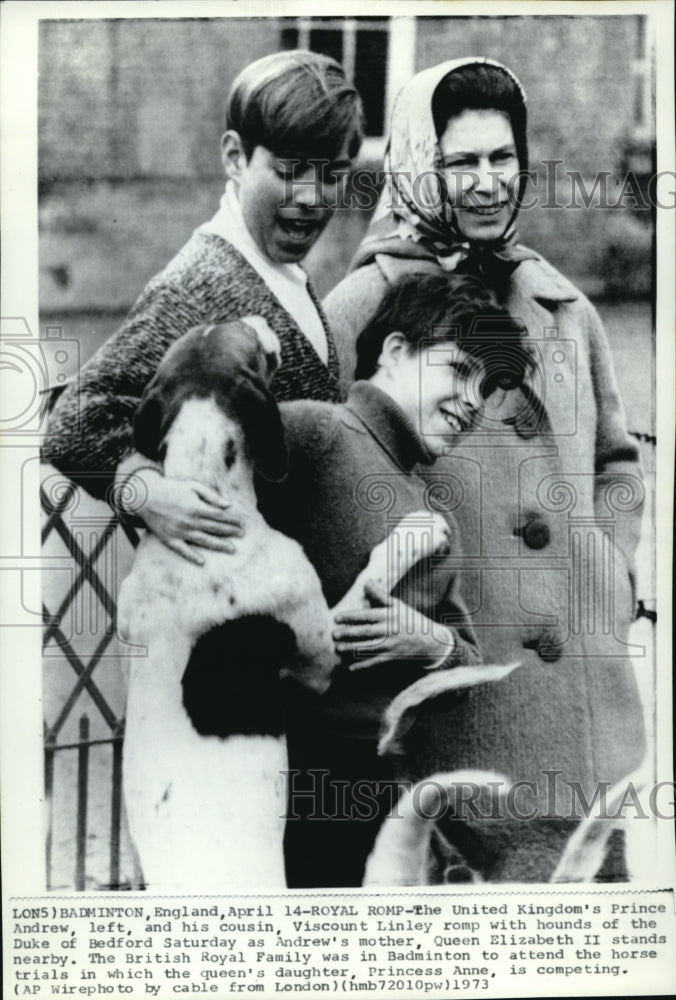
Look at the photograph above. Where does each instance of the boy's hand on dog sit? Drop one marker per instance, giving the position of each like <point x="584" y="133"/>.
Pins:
<point x="186" y="515"/>
<point x="391" y="629"/>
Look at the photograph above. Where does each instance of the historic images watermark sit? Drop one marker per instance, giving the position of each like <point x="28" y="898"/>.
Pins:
<point x="552" y="187"/>
<point x="465" y="799"/>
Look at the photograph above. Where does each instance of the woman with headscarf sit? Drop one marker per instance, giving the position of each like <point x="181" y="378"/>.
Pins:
<point x="547" y="491"/>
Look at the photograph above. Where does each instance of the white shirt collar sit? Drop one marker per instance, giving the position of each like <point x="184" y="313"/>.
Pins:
<point x="288" y="282"/>
<point x="229" y="223"/>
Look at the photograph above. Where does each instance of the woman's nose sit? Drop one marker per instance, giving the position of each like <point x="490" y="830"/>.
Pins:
<point x="486" y="177"/>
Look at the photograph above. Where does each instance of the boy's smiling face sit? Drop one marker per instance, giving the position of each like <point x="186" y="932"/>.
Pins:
<point x="285" y="210"/>
<point x="438" y="387"/>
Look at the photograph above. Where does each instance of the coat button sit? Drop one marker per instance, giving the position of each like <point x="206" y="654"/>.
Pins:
<point x="548" y="645"/>
<point x="535" y="532"/>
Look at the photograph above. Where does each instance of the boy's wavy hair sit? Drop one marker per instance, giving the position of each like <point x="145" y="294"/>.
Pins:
<point x="297" y="104"/>
<point x="449" y="307"/>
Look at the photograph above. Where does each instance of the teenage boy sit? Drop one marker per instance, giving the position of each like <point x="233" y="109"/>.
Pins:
<point x="294" y="124"/>
<point x="438" y="346"/>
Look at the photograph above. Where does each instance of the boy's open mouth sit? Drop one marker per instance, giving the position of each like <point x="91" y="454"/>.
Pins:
<point x="300" y="230"/>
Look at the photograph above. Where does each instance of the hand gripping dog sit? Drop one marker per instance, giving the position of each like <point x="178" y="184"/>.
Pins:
<point x="205" y="751"/>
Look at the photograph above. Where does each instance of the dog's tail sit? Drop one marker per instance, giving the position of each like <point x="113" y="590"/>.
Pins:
<point x="585" y="850"/>
<point x="401" y="854"/>
<point x="402" y="711"/>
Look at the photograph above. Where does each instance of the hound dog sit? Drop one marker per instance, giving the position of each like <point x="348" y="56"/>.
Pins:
<point x="205" y="753"/>
<point x="412" y="847"/>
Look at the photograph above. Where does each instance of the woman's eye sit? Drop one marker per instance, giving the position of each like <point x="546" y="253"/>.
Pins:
<point x="460" y="164"/>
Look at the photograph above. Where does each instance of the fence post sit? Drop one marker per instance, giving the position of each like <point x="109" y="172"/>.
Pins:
<point x="49" y="792"/>
<point x="116" y="809"/>
<point x="82" y="788"/>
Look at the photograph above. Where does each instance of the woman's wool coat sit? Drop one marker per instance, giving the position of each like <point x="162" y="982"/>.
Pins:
<point x="547" y="494"/>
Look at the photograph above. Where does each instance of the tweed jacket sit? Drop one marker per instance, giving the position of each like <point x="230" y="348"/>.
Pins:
<point x="90" y="427"/>
<point x="547" y="493"/>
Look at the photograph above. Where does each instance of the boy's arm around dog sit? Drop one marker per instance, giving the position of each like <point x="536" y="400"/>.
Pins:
<point x="331" y="457"/>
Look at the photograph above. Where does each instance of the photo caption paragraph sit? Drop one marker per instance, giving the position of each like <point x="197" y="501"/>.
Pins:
<point x="389" y="945"/>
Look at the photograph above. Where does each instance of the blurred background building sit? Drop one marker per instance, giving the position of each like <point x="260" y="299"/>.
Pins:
<point x="131" y="111"/>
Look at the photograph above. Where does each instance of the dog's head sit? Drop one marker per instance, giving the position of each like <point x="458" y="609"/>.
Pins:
<point x="233" y="363"/>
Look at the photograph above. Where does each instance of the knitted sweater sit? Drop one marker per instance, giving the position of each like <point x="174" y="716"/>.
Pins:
<point x="90" y="427"/>
<point x="351" y="480"/>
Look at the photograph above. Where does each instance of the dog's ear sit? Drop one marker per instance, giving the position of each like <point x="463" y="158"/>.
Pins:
<point x="261" y="422"/>
<point x="149" y="424"/>
<point x="268" y="342"/>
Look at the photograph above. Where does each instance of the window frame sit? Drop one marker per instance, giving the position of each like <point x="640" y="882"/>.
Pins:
<point x="401" y="38"/>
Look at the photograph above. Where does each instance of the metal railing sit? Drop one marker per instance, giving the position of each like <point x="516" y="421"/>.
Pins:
<point x="80" y="632"/>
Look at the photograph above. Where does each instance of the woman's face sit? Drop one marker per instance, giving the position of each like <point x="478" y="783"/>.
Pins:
<point x="480" y="163"/>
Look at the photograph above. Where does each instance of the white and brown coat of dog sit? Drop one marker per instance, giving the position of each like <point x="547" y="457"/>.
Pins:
<point x="205" y="752"/>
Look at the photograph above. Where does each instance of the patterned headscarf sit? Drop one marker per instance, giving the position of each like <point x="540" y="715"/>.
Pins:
<point x="414" y="217"/>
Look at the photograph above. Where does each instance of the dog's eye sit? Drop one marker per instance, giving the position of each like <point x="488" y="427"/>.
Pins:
<point x="230" y="456"/>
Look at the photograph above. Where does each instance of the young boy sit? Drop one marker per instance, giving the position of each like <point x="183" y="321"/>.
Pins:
<point x="293" y="125"/>
<point x="436" y="349"/>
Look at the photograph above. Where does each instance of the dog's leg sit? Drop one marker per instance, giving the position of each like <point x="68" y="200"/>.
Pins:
<point x="307" y="613"/>
<point x="417" y="536"/>
<point x="205" y="812"/>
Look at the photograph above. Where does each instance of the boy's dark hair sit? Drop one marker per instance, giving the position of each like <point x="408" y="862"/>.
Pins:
<point x="296" y="104"/>
<point x="449" y="307"/>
